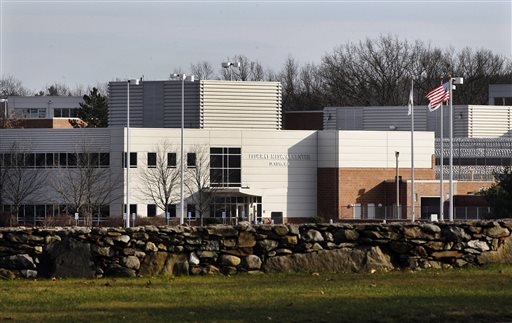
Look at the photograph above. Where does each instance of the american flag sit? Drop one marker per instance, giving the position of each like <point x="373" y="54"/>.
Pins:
<point x="438" y="95"/>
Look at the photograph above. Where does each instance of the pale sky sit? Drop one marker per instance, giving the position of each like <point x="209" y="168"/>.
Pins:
<point x="85" y="42"/>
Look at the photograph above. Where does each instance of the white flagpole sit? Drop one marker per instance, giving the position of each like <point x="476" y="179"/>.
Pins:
<point x="441" y="175"/>
<point x="411" y="103"/>
<point x="451" y="151"/>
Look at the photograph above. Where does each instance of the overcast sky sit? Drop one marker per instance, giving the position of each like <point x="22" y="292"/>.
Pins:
<point x="85" y="42"/>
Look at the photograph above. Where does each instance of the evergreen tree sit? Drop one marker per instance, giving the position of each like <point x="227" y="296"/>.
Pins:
<point x="499" y="195"/>
<point x="94" y="110"/>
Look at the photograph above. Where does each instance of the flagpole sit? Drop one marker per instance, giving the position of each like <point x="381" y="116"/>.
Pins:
<point x="451" y="151"/>
<point x="441" y="175"/>
<point x="412" y="150"/>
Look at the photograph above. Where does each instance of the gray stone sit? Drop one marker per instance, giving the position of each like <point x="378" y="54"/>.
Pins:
<point x="68" y="258"/>
<point x="223" y="231"/>
<point x="120" y="271"/>
<point x="193" y="259"/>
<point x="503" y="254"/>
<point x="229" y="260"/>
<point x="247" y="239"/>
<point x="206" y="254"/>
<point x="229" y="243"/>
<point x="7" y="274"/>
<point x="122" y="238"/>
<point x="281" y="230"/>
<point x="252" y="262"/>
<point x="164" y="264"/>
<point x="478" y="245"/>
<point x="102" y="251"/>
<point x="150" y="246"/>
<point x="341" y="260"/>
<point x="294" y="229"/>
<point x="497" y="231"/>
<point x="284" y="251"/>
<point x="430" y="228"/>
<point x="29" y="273"/>
<point x="455" y="234"/>
<point x="345" y="235"/>
<point x="413" y="232"/>
<point x="211" y="245"/>
<point x="313" y="235"/>
<point x="17" y="262"/>
<point x="268" y="244"/>
<point x="400" y="246"/>
<point x="131" y="262"/>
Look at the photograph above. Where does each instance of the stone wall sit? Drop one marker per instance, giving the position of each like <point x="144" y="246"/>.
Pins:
<point x="149" y="250"/>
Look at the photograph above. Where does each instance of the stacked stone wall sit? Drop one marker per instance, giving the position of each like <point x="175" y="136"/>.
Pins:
<point x="150" y="250"/>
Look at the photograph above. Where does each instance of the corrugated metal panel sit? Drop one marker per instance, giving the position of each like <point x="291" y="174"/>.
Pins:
<point x="489" y="121"/>
<point x="55" y="140"/>
<point x="247" y="105"/>
<point x="172" y="104"/>
<point x="118" y="104"/>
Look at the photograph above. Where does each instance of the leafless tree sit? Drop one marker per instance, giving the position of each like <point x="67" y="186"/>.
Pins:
<point x="160" y="181"/>
<point x="198" y="181"/>
<point x="248" y="71"/>
<point x="88" y="186"/>
<point x="9" y="85"/>
<point x="289" y="81"/>
<point x="21" y="181"/>
<point x="202" y="70"/>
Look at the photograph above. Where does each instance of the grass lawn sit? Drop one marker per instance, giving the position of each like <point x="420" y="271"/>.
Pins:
<point x="469" y="295"/>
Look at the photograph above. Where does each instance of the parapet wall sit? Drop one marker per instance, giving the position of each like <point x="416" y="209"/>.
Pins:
<point x="149" y="250"/>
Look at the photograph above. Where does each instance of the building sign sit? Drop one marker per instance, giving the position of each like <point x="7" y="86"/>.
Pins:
<point x="279" y="160"/>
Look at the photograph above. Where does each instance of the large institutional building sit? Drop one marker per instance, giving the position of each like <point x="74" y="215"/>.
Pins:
<point x="239" y="161"/>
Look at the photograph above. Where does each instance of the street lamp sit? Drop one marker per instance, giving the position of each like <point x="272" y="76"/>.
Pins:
<point x="229" y="65"/>
<point x="190" y="78"/>
<point x="397" y="153"/>
<point x="127" y="162"/>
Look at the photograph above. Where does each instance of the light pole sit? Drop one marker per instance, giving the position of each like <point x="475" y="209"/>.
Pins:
<point x="127" y="161"/>
<point x="397" y="153"/>
<point x="182" y="77"/>
<point x="229" y="65"/>
<point x="4" y="112"/>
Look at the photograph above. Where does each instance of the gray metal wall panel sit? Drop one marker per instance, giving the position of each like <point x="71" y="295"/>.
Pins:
<point x="153" y="113"/>
<point x="172" y="104"/>
<point x="118" y="104"/>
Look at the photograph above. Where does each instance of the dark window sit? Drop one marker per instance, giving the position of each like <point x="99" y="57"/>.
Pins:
<point x="133" y="160"/>
<point x="49" y="160"/>
<point x="191" y="211"/>
<point x="225" y="167"/>
<point x="30" y="160"/>
<point x="191" y="159"/>
<point x="57" y="113"/>
<point x="152" y="160"/>
<point x="105" y="210"/>
<point x="94" y="159"/>
<point x="65" y="113"/>
<point x="40" y="160"/>
<point x="171" y="210"/>
<point x="83" y="159"/>
<point x="104" y="159"/>
<point x="151" y="210"/>
<point x="171" y="159"/>
<point x="72" y="160"/>
<point x="7" y="160"/>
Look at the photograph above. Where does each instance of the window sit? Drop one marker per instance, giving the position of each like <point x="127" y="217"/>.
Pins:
<point x="49" y="160"/>
<point x="30" y="160"/>
<point x="171" y="210"/>
<point x="133" y="160"/>
<point x="151" y="160"/>
<point x="57" y="113"/>
<point x="191" y="159"/>
<point x="40" y="160"/>
<point x="72" y="160"/>
<point x="133" y="208"/>
<point x="171" y="159"/>
<point x="104" y="159"/>
<point x="191" y="211"/>
<point x="225" y="167"/>
<point x="151" y="210"/>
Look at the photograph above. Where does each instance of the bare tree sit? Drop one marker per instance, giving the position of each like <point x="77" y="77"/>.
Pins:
<point x="21" y="181"/>
<point x="248" y="71"/>
<point x="203" y="70"/>
<point x="289" y="79"/>
<point x="161" y="180"/>
<point x="198" y="181"/>
<point x="9" y="85"/>
<point x="88" y="186"/>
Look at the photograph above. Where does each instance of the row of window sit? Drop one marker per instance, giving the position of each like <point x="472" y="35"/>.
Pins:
<point x="225" y="167"/>
<point x="65" y="112"/>
<point x="152" y="160"/>
<point x="45" y="210"/>
<point x="31" y="113"/>
<point x="54" y="160"/>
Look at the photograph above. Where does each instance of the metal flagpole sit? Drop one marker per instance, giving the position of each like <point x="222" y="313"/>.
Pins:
<point x="451" y="152"/>
<point x="441" y="165"/>
<point x="411" y="104"/>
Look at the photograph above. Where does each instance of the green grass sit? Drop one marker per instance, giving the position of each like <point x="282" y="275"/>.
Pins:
<point x="470" y="295"/>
